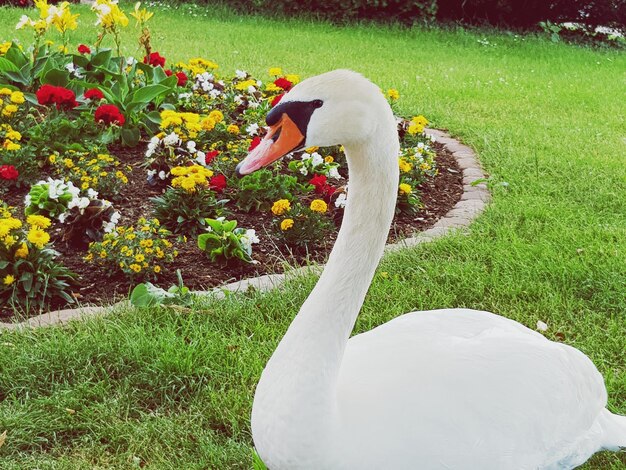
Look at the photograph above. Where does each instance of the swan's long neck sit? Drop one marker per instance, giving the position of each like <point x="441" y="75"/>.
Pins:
<point x="295" y="399"/>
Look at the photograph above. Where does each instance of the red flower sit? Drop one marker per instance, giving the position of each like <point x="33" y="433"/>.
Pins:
<point x="154" y="59"/>
<point x="182" y="77"/>
<point x="210" y="156"/>
<point x="109" y="114"/>
<point x="277" y="99"/>
<point x="322" y="186"/>
<point x="8" y="172"/>
<point x="283" y="83"/>
<point x="82" y="49"/>
<point x="94" y="94"/>
<point x="255" y="141"/>
<point x="62" y="97"/>
<point x="218" y="183"/>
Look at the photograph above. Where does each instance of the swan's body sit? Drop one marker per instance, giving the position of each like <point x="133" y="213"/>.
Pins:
<point x="445" y="389"/>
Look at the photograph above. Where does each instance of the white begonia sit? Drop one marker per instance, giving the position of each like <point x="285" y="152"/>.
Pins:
<point x="171" y="139"/>
<point x="341" y="200"/>
<point x="110" y="225"/>
<point x="334" y="173"/>
<point x="316" y="159"/>
<point x="152" y="146"/>
<point x="201" y="157"/>
<point x="241" y="74"/>
<point x="191" y="146"/>
<point x="252" y="129"/>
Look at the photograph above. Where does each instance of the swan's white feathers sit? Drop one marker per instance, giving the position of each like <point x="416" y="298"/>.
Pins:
<point x="478" y="386"/>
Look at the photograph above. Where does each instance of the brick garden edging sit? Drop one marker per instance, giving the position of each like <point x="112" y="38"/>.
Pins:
<point x="473" y="202"/>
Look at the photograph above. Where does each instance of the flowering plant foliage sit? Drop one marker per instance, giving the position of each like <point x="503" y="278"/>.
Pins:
<point x="138" y="252"/>
<point x="225" y="243"/>
<point x="300" y="227"/>
<point x="30" y="277"/>
<point x="257" y="190"/>
<point x="313" y="163"/>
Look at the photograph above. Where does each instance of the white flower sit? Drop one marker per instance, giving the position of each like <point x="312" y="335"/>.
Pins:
<point x="238" y="99"/>
<point x="303" y="170"/>
<point x="72" y="70"/>
<point x="191" y="146"/>
<point x="251" y="89"/>
<point x="24" y="21"/>
<point x="252" y="129"/>
<point x="27" y="200"/>
<point x="201" y="157"/>
<point x="184" y="96"/>
<point x="306" y="156"/>
<point x="214" y="93"/>
<point x="420" y="145"/>
<point x="162" y="175"/>
<point x="131" y="61"/>
<point x="251" y="235"/>
<point x="254" y="104"/>
<point x="151" y="173"/>
<point x="62" y="217"/>
<point x="541" y="326"/>
<point x="241" y="75"/>
<point x="171" y="139"/>
<point x="316" y="159"/>
<point x="92" y="194"/>
<point x="341" y="200"/>
<point x="333" y="173"/>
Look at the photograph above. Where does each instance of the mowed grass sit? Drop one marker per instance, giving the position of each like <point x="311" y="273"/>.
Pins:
<point x="164" y="389"/>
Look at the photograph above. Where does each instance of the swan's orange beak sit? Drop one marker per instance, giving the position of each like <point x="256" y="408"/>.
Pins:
<point x="282" y="138"/>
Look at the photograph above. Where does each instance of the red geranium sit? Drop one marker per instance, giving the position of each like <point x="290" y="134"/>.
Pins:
<point x="62" y="97"/>
<point x="182" y="77"/>
<point x="321" y="185"/>
<point x="276" y="100"/>
<point x="8" y="172"/>
<point x="210" y="156"/>
<point x="218" y="183"/>
<point x="82" y="49"/>
<point x="283" y="83"/>
<point x="94" y="94"/>
<point x="109" y="114"/>
<point x="155" y="59"/>
<point x="255" y="141"/>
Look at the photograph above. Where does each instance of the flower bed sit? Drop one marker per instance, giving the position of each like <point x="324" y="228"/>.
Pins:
<point x="115" y="171"/>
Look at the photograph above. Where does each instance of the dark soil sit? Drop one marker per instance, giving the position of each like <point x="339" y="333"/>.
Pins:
<point x="438" y="196"/>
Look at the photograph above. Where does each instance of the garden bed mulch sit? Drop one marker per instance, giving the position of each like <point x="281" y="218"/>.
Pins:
<point x="438" y="196"/>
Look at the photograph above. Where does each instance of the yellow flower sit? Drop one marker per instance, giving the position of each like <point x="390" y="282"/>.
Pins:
<point x="4" y="47"/>
<point x="276" y="71"/>
<point x="243" y="86"/>
<point x="157" y="269"/>
<point x="9" y="110"/>
<point x="207" y="124"/>
<point x="329" y="159"/>
<point x="405" y="188"/>
<point x="64" y="20"/>
<point x="139" y="258"/>
<point x="405" y="166"/>
<point x="393" y="94"/>
<point x="293" y="78"/>
<point x="317" y="205"/>
<point x="17" y="97"/>
<point x="216" y="115"/>
<point x="12" y="146"/>
<point x="233" y="129"/>
<point x="38" y="237"/>
<point x="420" y="120"/>
<point x="22" y="251"/>
<point x="415" y="129"/>
<point x="103" y="254"/>
<point x="142" y="16"/>
<point x="280" y="207"/>
<point x="8" y="280"/>
<point x="38" y="221"/>
<point x="286" y="224"/>
<point x="272" y="88"/>
<point x="13" y="135"/>
<point x="135" y="267"/>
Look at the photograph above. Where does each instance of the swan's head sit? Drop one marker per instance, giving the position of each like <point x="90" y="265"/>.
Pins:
<point x="335" y="108"/>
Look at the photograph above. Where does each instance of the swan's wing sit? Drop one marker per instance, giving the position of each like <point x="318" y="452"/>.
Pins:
<point x="470" y="390"/>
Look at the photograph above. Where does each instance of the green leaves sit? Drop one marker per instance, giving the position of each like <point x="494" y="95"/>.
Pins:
<point x="149" y="295"/>
<point x="225" y="243"/>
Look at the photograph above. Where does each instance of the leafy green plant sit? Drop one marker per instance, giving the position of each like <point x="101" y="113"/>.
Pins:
<point x="138" y="252"/>
<point x="301" y="227"/>
<point x="185" y="212"/>
<point x="225" y="243"/>
<point x="149" y="295"/>
<point x="50" y="198"/>
<point x="258" y="190"/>
<point x="30" y="276"/>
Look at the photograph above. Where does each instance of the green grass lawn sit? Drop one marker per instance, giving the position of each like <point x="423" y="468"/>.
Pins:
<point x="167" y="389"/>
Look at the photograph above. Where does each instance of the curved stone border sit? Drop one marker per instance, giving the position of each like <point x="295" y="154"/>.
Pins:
<point x="473" y="201"/>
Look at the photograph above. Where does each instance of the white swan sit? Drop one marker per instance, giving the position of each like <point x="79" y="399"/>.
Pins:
<point x="443" y="389"/>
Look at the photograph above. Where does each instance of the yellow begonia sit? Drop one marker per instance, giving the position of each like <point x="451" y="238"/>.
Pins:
<point x="38" y="237"/>
<point x="286" y="224"/>
<point x="39" y="221"/>
<point x="405" y="188"/>
<point x="317" y="205"/>
<point x="281" y="206"/>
